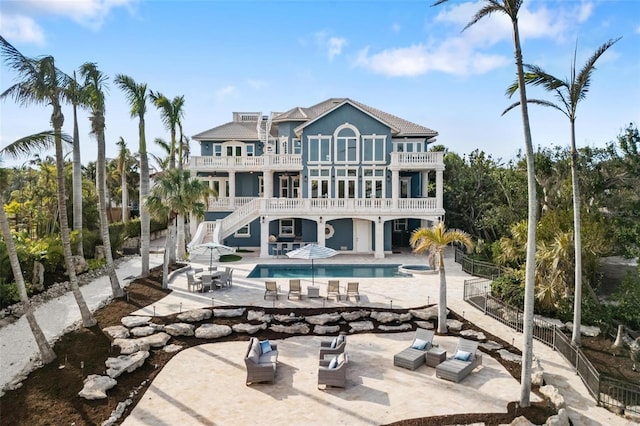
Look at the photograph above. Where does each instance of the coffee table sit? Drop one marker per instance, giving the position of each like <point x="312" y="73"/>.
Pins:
<point x="435" y="356"/>
<point x="313" y="292"/>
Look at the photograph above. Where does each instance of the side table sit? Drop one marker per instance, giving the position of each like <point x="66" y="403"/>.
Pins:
<point x="435" y="356"/>
<point x="313" y="292"/>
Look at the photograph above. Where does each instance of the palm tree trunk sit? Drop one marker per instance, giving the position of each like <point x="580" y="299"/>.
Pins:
<point x="87" y="318"/>
<point x="442" y="299"/>
<point x="46" y="353"/>
<point x="101" y="171"/>
<point x="77" y="184"/>
<point x="125" y="194"/>
<point x="145" y="217"/>
<point x="529" y="292"/>
<point x="577" y="246"/>
<point x="180" y="237"/>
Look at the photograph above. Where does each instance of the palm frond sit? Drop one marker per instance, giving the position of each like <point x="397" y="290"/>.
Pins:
<point x="582" y="80"/>
<point x="36" y="142"/>
<point x="493" y="6"/>
<point x="136" y="94"/>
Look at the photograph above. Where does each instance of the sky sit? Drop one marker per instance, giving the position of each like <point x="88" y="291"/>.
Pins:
<point x="401" y="56"/>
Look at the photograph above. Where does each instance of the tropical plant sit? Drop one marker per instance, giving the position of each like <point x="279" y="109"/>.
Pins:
<point x="434" y="240"/>
<point x="41" y="82"/>
<point x="137" y="97"/>
<point x="176" y="193"/>
<point x="171" y="114"/>
<point x="569" y="92"/>
<point x="510" y="8"/>
<point x="95" y="85"/>
<point x="46" y="353"/>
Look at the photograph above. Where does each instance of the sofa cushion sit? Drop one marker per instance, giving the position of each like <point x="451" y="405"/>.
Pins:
<point x="265" y="347"/>
<point x="462" y="355"/>
<point x="334" y="362"/>
<point x="419" y="344"/>
<point x="334" y="343"/>
<point x="254" y="351"/>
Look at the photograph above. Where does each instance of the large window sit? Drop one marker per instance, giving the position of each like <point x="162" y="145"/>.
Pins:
<point x="319" y="149"/>
<point x="346" y="182"/>
<point x="287" y="228"/>
<point x="373" y="183"/>
<point x="346" y="144"/>
<point x="408" y="146"/>
<point x="244" y="232"/>
<point x="373" y="149"/>
<point x="319" y="180"/>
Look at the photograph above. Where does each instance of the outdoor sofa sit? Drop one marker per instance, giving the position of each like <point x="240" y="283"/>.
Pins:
<point x="261" y="360"/>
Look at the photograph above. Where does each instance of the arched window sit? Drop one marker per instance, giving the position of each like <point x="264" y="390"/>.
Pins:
<point x="347" y="144"/>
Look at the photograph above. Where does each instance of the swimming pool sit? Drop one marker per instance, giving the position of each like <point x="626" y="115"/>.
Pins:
<point x="326" y="271"/>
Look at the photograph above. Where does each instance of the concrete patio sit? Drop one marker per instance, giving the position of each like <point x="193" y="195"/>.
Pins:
<point x="206" y="384"/>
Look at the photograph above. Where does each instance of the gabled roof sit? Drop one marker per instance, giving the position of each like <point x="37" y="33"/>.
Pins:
<point x="295" y="114"/>
<point x="229" y="131"/>
<point x="399" y="127"/>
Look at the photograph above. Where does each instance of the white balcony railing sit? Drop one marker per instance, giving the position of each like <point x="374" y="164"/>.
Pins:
<point x="417" y="159"/>
<point x="241" y="163"/>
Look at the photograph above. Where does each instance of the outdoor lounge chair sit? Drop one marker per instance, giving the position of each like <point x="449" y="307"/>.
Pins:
<point x="352" y="290"/>
<point x="294" y="289"/>
<point x="333" y="372"/>
<point x="333" y="289"/>
<point x="261" y="365"/>
<point x="193" y="284"/>
<point x="414" y="356"/>
<point x="335" y="346"/>
<point x="465" y="359"/>
<point x="271" y="289"/>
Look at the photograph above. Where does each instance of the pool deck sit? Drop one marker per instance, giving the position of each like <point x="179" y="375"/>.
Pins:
<point x="205" y="384"/>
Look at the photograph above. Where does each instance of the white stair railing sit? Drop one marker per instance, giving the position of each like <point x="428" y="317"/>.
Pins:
<point x="242" y="216"/>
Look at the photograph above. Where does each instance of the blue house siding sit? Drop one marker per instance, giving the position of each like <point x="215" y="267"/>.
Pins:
<point x="343" y="235"/>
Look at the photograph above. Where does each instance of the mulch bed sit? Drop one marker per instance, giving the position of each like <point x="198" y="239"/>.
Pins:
<point x="49" y="394"/>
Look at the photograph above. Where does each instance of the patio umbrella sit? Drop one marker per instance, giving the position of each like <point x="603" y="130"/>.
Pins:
<point x="312" y="251"/>
<point x="215" y="249"/>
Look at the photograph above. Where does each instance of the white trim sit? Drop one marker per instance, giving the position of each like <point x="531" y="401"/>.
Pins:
<point x="319" y="139"/>
<point x="238" y="234"/>
<point x="371" y="139"/>
<point x="347" y="140"/>
<point x="292" y="233"/>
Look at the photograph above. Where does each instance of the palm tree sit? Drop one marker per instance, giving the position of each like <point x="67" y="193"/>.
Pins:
<point x="176" y="194"/>
<point x="569" y="93"/>
<point x="434" y="240"/>
<point x="171" y="113"/>
<point x="123" y="156"/>
<point x="137" y="97"/>
<point x="42" y="83"/>
<point x="95" y="85"/>
<point x="511" y="8"/>
<point x="42" y="140"/>
<point x="76" y="95"/>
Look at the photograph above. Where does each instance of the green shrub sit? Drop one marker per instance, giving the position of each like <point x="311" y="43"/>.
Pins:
<point x="627" y="297"/>
<point x="90" y="239"/>
<point x="230" y="258"/>
<point x="8" y="294"/>
<point x="509" y="288"/>
<point x="96" y="263"/>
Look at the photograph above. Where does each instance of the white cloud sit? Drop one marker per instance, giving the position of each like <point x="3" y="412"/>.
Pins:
<point x="467" y="52"/>
<point x="419" y="59"/>
<point x="225" y="92"/>
<point x="21" y="29"/>
<point x="584" y="11"/>
<point x="396" y="27"/>
<point x="89" y="13"/>
<point x="333" y="45"/>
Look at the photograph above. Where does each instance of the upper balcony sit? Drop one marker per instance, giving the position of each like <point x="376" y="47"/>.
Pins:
<point x="417" y="161"/>
<point x="285" y="162"/>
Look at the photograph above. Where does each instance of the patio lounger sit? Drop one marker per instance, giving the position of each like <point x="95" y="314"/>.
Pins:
<point x="333" y="372"/>
<point x="414" y="356"/>
<point x="352" y="290"/>
<point x="333" y="289"/>
<point x="295" y="289"/>
<point x="335" y="346"/>
<point x="464" y="361"/>
<point x="271" y="289"/>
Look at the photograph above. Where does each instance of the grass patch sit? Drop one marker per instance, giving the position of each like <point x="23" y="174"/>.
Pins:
<point x="230" y="258"/>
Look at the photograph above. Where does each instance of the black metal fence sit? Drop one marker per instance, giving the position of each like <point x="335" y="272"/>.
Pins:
<point x="477" y="268"/>
<point x="614" y="394"/>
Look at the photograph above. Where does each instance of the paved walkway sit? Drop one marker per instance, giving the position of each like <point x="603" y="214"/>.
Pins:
<point x="206" y="384"/>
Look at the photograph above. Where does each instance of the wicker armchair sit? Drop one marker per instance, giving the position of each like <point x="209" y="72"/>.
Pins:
<point x="336" y="376"/>
<point x="261" y="367"/>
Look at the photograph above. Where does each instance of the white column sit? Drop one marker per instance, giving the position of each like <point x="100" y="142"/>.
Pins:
<point x="321" y="239"/>
<point x="439" y="188"/>
<point x="268" y="184"/>
<point x="232" y="189"/>
<point x="379" y="251"/>
<point x="425" y="183"/>
<point x="264" y="238"/>
<point x="395" y="187"/>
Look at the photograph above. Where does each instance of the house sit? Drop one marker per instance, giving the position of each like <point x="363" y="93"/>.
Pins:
<point x="339" y="173"/>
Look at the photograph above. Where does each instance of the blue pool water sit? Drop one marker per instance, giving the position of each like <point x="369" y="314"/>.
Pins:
<point x="325" y="271"/>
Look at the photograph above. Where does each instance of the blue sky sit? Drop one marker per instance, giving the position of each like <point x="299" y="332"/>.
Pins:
<point x="403" y="57"/>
